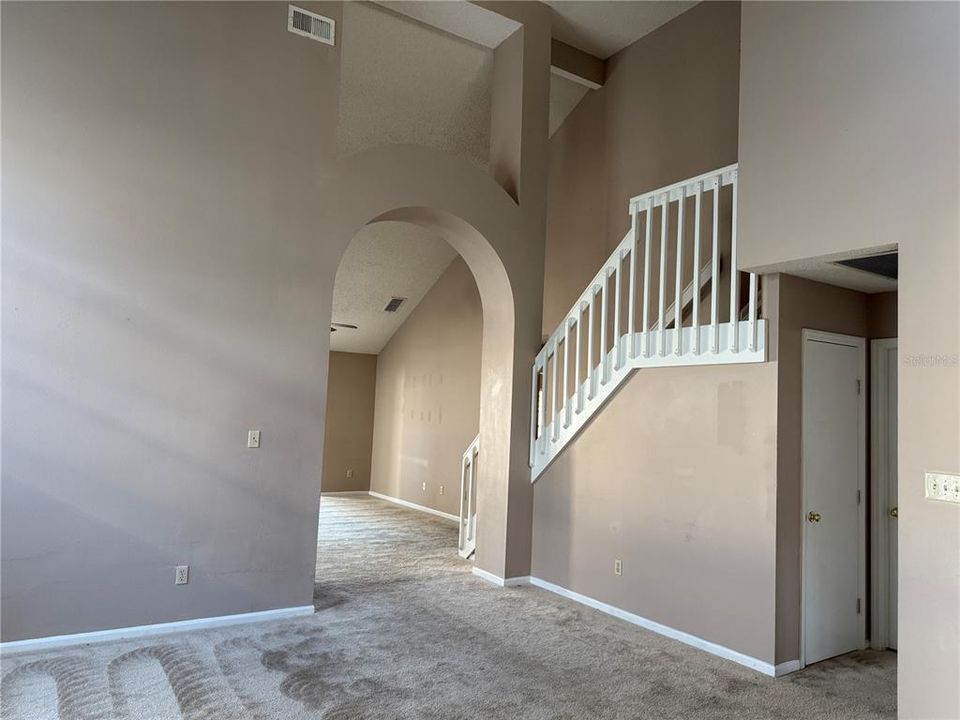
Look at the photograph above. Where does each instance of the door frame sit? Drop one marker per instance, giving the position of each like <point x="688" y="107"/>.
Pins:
<point x="860" y="344"/>
<point x="879" y="491"/>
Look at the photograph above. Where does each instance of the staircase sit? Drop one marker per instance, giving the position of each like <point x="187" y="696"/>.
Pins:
<point x="609" y="332"/>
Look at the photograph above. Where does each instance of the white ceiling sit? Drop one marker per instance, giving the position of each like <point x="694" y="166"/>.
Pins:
<point x="384" y="260"/>
<point x="604" y="27"/>
<point x="826" y="270"/>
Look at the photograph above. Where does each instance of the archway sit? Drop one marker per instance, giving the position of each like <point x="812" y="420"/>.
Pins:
<point x="465" y="206"/>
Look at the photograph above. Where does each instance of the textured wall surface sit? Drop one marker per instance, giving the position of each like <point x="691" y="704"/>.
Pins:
<point x="404" y="82"/>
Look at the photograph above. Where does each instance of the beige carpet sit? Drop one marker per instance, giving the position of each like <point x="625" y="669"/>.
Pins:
<point x="403" y="630"/>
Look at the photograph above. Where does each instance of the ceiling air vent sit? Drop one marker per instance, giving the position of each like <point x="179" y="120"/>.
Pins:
<point x="394" y="304"/>
<point x="886" y="265"/>
<point x="316" y="27"/>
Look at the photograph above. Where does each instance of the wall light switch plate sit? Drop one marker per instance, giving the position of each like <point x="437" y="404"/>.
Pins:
<point x="423" y="486"/>
<point x="441" y="489"/>
<point x="349" y="474"/>
<point x="943" y="487"/>
<point x="618" y="567"/>
<point x="183" y="575"/>
<point x="253" y="438"/>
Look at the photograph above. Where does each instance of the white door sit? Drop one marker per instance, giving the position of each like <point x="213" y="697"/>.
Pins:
<point x="833" y="460"/>
<point x="883" y="378"/>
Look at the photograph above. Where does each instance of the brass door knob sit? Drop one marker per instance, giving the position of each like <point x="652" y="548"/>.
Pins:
<point x="893" y="512"/>
<point x="813" y="517"/>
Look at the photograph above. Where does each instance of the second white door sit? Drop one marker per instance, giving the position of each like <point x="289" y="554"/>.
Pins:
<point x="833" y="461"/>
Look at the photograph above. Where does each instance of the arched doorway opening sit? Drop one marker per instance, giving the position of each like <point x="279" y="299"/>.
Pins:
<point x="403" y="405"/>
<point x="461" y="203"/>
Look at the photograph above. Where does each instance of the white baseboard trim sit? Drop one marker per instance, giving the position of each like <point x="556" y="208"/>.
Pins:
<point x="137" y="631"/>
<point x="499" y="581"/>
<point x="414" y="506"/>
<point x="345" y="493"/>
<point x="667" y="631"/>
<point x="785" y="668"/>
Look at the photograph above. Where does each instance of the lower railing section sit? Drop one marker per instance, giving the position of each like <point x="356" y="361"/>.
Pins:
<point x="643" y="309"/>
<point x="468" y="513"/>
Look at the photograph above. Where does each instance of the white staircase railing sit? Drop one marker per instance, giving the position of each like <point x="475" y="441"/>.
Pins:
<point x="609" y="346"/>
<point x="468" y="514"/>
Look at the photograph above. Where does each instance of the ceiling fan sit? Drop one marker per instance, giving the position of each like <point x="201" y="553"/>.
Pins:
<point x="344" y="326"/>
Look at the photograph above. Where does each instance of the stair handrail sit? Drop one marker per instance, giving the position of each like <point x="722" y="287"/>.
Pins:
<point x="647" y="345"/>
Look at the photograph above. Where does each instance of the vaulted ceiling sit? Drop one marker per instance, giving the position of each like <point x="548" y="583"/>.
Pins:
<point x="421" y="73"/>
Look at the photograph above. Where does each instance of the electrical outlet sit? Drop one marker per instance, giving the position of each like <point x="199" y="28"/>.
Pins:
<point x="423" y="486"/>
<point x="253" y="438"/>
<point x="943" y="487"/>
<point x="618" y="567"/>
<point x="183" y="575"/>
<point x="441" y="489"/>
<point x="349" y="473"/>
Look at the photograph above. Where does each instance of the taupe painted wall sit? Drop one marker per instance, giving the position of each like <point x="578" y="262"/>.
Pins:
<point x="677" y="475"/>
<point x="348" y="436"/>
<point x="882" y="315"/>
<point x="162" y="286"/>
<point x="677" y="478"/>
<point x="171" y="238"/>
<point x="849" y="140"/>
<point x="428" y="395"/>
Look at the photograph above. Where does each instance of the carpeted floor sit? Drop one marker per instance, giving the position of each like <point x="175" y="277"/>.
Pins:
<point x="404" y="630"/>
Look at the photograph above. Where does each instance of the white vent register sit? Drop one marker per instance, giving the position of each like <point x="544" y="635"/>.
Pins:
<point x="309" y="24"/>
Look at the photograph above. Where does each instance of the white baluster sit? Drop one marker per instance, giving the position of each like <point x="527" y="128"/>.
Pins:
<point x="696" y="269"/>
<point x="578" y="405"/>
<point x="533" y="413"/>
<point x="542" y="392"/>
<point x="661" y="318"/>
<point x="753" y="312"/>
<point x="555" y="427"/>
<point x="632" y="302"/>
<point x="715" y="272"/>
<point x="593" y="294"/>
<point x="603" y="327"/>
<point x="616" y="312"/>
<point x="678" y="289"/>
<point x="566" y="372"/>
<point x="463" y="495"/>
<point x="734" y="275"/>
<point x="648" y="236"/>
